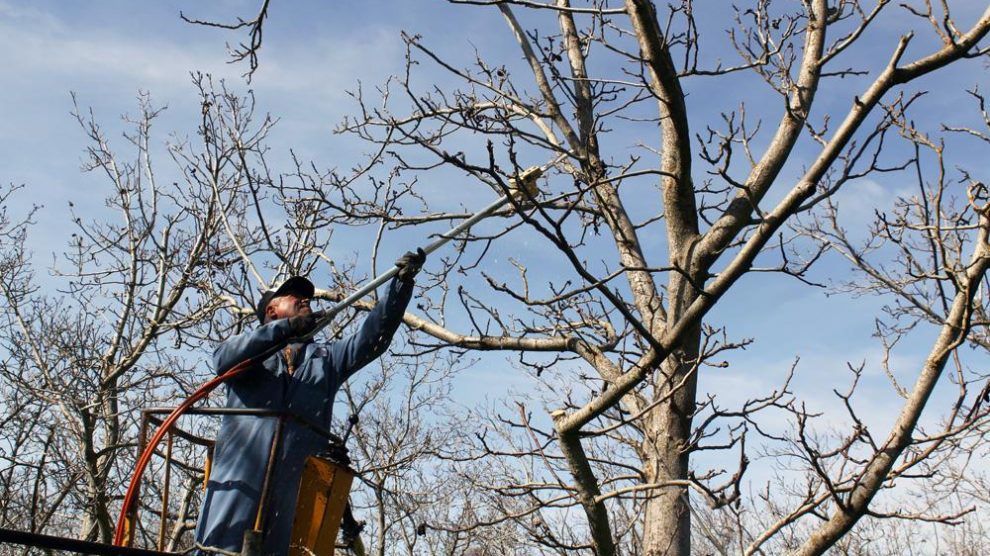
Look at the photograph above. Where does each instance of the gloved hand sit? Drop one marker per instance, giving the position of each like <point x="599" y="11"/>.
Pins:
<point x="304" y="324"/>
<point x="410" y="264"/>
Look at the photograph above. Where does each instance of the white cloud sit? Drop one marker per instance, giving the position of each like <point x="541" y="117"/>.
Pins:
<point x="330" y="65"/>
<point x="36" y="46"/>
<point x="41" y="49"/>
<point x="859" y="199"/>
<point x="24" y="12"/>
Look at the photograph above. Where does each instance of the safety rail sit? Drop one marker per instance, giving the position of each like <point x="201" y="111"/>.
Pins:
<point x="49" y="542"/>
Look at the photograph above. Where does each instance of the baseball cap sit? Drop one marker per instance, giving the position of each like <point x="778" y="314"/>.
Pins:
<point x="296" y="284"/>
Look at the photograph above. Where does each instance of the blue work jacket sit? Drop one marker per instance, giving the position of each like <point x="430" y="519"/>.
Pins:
<point x="244" y="441"/>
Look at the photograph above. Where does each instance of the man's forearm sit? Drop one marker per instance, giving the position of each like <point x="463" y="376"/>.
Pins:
<point x="249" y="344"/>
<point x="375" y="334"/>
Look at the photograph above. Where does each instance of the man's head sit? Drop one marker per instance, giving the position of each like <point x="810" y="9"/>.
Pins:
<point x="288" y="300"/>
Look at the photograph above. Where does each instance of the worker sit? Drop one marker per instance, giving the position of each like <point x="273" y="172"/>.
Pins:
<point x="300" y="380"/>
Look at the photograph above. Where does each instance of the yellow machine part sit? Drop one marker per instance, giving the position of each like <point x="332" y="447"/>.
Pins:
<point x="207" y="468"/>
<point x="323" y="491"/>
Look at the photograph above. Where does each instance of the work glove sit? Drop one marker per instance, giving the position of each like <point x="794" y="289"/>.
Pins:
<point x="410" y="264"/>
<point x="300" y="325"/>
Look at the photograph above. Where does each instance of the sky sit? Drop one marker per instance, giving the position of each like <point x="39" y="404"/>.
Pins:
<point x="107" y="51"/>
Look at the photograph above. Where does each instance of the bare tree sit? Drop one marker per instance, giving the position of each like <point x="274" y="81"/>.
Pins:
<point x="641" y="345"/>
<point x="935" y="273"/>
<point x="134" y="290"/>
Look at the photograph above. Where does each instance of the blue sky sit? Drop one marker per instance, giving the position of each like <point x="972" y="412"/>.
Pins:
<point x="106" y="51"/>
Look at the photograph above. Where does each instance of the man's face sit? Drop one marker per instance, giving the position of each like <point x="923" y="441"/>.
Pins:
<point x="288" y="305"/>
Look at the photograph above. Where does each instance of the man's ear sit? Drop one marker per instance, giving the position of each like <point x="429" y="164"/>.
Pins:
<point x="270" y="312"/>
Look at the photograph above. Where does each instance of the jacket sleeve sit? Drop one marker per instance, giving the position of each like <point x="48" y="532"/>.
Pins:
<point x="376" y="332"/>
<point x="248" y="344"/>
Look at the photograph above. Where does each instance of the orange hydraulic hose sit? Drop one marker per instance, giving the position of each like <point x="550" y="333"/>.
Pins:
<point x="142" y="463"/>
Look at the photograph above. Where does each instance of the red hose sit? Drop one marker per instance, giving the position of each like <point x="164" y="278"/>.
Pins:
<point x="142" y="463"/>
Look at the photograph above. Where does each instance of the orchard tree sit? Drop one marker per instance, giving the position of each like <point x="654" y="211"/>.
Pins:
<point x="136" y="285"/>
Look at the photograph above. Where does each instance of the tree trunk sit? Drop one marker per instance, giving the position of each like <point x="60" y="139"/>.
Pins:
<point x="667" y="524"/>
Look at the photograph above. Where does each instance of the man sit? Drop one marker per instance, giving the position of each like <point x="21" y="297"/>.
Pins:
<point x="301" y="380"/>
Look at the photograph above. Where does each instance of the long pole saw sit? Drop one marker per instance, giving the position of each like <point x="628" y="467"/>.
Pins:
<point x="521" y="189"/>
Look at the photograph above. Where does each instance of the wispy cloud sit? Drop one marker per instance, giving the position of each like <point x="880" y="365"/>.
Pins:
<point x="41" y="47"/>
<point x="37" y="46"/>
<point x="328" y="65"/>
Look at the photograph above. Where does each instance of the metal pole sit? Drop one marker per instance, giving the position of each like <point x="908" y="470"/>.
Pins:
<point x="266" y="485"/>
<point x="131" y="518"/>
<point x="530" y="174"/>
<point x="163" y="518"/>
<point x="390" y="273"/>
<point x="233" y="411"/>
<point x="49" y="542"/>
